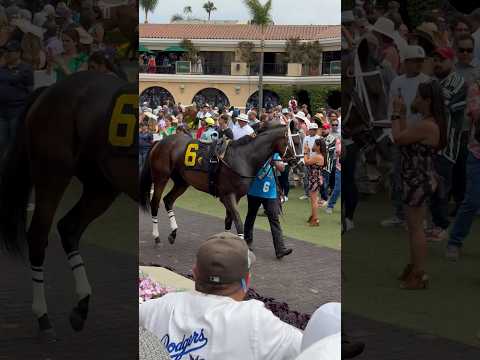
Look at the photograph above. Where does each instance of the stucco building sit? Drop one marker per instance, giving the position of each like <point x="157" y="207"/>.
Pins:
<point x="219" y="73"/>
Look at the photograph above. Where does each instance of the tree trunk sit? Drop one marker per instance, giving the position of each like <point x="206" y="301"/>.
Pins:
<point x="260" y="75"/>
<point x="146" y="16"/>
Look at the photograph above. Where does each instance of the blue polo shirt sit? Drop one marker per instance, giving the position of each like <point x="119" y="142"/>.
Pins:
<point x="264" y="184"/>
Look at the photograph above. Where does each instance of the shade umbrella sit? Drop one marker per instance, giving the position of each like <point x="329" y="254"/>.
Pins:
<point x="143" y="48"/>
<point x="175" y="49"/>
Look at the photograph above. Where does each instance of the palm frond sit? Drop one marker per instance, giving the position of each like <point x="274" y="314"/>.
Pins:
<point x="259" y="13"/>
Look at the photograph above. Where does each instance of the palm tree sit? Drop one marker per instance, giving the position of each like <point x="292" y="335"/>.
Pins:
<point x="148" y="6"/>
<point x="209" y="8"/>
<point x="187" y="10"/>
<point x="176" y="17"/>
<point x="262" y="18"/>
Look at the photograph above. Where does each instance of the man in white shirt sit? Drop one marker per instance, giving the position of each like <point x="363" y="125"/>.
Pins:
<point x="406" y="86"/>
<point x="241" y="128"/>
<point x="213" y="321"/>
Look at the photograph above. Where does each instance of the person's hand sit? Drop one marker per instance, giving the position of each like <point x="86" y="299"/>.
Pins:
<point x="399" y="106"/>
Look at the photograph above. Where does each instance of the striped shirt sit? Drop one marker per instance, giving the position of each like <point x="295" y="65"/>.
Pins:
<point x="330" y="142"/>
<point x="455" y="94"/>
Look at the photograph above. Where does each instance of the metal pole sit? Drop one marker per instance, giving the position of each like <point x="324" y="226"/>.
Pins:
<point x="260" y="75"/>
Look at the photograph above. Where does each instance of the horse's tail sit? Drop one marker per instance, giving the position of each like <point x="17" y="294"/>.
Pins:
<point x="15" y="187"/>
<point x="146" y="183"/>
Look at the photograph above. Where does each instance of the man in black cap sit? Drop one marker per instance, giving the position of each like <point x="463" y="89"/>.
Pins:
<point x="16" y="83"/>
<point x="214" y="321"/>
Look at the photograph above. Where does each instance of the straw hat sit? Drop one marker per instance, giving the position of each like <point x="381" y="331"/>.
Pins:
<point x="243" y="117"/>
<point x="428" y="31"/>
<point x="385" y="27"/>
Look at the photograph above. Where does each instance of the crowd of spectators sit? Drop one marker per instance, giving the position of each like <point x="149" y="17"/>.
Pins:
<point x="43" y="42"/>
<point x="434" y="181"/>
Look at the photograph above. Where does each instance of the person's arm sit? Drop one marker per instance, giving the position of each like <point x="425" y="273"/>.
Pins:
<point x="315" y="159"/>
<point x="275" y="339"/>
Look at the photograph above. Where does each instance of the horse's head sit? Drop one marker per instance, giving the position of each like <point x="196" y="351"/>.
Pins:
<point x="289" y="143"/>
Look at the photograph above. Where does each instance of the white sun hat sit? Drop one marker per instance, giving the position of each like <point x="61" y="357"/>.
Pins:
<point x="243" y="117"/>
<point x="384" y="26"/>
<point x="414" y="52"/>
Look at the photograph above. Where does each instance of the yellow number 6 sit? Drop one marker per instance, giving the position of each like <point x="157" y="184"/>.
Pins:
<point x="119" y="118"/>
<point x="191" y="155"/>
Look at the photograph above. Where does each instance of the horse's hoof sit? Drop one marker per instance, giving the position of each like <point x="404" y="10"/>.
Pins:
<point x="172" y="237"/>
<point x="47" y="336"/>
<point x="79" y="314"/>
<point x="76" y="320"/>
<point x="157" y="240"/>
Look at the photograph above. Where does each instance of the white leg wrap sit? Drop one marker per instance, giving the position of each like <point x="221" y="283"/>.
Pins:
<point x="39" y="304"/>
<point x="240" y="236"/>
<point x="155" y="231"/>
<point x="82" y="286"/>
<point x="173" y="222"/>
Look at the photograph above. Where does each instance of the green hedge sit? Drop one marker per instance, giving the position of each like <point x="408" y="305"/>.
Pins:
<point x="318" y="94"/>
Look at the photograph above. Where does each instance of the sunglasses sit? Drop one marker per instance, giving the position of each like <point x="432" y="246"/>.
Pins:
<point x="465" y="50"/>
<point x="334" y="125"/>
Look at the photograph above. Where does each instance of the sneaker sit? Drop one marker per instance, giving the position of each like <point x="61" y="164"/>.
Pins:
<point x="322" y="203"/>
<point x="349" y="225"/>
<point x="329" y="210"/>
<point x="393" y="222"/>
<point x="30" y="207"/>
<point x="303" y="197"/>
<point x="285" y="198"/>
<point x="436" y="234"/>
<point x="452" y="253"/>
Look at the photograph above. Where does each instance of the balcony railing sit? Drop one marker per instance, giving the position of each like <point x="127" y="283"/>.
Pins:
<point x="217" y="69"/>
<point x="269" y="69"/>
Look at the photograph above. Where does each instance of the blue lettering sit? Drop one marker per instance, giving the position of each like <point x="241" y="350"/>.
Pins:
<point x="195" y="341"/>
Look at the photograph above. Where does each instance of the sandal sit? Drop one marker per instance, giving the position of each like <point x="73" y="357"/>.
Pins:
<point x="314" y="222"/>
<point x="309" y="219"/>
<point x="416" y="280"/>
<point x="406" y="271"/>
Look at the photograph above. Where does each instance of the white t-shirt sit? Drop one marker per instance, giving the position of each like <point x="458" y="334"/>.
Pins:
<point x="329" y="348"/>
<point x="310" y="141"/>
<point x="239" y="132"/>
<point x="218" y="327"/>
<point x="325" y="321"/>
<point x="408" y="86"/>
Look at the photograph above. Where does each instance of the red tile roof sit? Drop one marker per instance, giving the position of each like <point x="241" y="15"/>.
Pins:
<point x="238" y="32"/>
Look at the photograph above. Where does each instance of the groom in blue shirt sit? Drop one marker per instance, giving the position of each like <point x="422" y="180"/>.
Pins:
<point x="263" y="191"/>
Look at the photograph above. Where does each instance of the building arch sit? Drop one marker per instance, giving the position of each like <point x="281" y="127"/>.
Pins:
<point x="211" y="96"/>
<point x="156" y="96"/>
<point x="270" y="100"/>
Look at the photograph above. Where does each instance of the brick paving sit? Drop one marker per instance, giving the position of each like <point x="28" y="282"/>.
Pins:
<point x="305" y="279"/>
<point x="111" y="330"/>
<point x="387" y="342"/>
<point x="112" y="325"/>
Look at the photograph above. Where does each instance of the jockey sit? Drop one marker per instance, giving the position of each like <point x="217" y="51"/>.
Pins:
<point x="210" y="133"/>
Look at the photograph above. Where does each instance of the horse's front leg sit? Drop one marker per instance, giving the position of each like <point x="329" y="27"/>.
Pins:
<point x="230" y="201"/>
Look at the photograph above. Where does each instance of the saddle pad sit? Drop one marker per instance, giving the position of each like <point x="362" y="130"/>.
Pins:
<point x="196" y="156"/>
<point x="123" y="122"/>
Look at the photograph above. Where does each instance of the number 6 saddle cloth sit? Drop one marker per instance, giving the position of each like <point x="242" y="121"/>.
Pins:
<point x="203" y="153"/>
<point x="123" y="126"/>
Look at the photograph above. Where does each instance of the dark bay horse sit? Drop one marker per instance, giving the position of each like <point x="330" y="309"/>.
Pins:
<point x="86" y="127"/>
<point x="365" y="103"/>
<point x="172" y="157"/>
